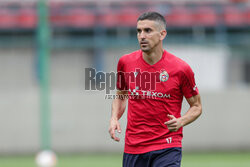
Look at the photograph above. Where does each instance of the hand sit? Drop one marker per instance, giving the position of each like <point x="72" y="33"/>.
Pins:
<point x="173" y="124"/>
<point x="113" y="126"/>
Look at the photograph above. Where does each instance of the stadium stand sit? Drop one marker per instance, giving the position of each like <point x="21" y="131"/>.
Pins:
<point x="17" y="14"/>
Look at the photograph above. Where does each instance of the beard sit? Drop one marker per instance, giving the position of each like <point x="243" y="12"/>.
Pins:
<point x="146" y="48"/>
<point x="149" y="47"/>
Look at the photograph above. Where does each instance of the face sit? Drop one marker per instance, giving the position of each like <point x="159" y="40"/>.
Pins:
<point x="149" y="34"/>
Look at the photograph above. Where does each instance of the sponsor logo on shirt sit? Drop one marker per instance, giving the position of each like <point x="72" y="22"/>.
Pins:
<point x="134" y="92"/>
<point x="155" y="94"/>
<point x="148" y="94"/>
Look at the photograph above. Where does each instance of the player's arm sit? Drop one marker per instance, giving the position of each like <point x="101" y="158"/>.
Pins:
<point x="118" y="108"/>
<point x="191" y="115"/>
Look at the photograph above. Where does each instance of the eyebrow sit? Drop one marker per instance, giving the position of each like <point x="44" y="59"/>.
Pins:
<point x="147" y="28"/>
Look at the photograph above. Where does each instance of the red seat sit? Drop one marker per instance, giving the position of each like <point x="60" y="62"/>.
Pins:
<point x="81" y="18"/>
<point x="179" y="17"/>
<point x="247" y="16"/>
<point x="7" y="19"/>
<point x="109" y="19"/>
<point x="233" y="16"/>
<point x="58" y="19"/>
<point x="205" y="16"/>
<point x="128" y="17"/>
<point x="27" y="18"/>
<point x="57" y="14"/>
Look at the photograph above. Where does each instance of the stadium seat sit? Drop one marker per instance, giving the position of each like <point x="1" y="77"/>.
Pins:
<point x="81" y="18"/>
<point x="58" y="19"/>
<point x="247" y="16"/>
<point x="109" y="18"/>
<point x="128" y="17"/>
<point x="233" y="16"/>
<point x="8" y="19"/>
<point x="205" y="16"/>
<point x="27" y="18"/>
<point x="179" y="17"/>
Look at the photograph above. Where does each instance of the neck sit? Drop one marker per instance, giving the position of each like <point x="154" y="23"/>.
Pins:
<point x="153" y="56"/>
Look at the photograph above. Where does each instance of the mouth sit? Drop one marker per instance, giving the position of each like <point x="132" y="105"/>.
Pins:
<point x="143" y="43"/>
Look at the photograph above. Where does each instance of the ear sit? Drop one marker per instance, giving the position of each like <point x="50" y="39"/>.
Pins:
<point x="163" y="34"/>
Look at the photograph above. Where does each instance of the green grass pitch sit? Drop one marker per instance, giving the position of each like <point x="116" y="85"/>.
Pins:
<point x="115" y="160"/>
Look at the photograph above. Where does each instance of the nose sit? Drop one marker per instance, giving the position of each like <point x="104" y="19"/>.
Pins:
<point x="142" y="35"/>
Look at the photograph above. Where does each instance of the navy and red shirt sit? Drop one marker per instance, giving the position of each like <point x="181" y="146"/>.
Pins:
<point x="154" y="92"/>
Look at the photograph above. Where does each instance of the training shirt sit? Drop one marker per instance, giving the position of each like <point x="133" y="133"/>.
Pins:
<point x="154" y="92"/>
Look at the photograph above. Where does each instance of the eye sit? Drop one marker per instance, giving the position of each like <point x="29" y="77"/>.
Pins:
<point x="148" y="30"/>
<point x="138" y="30"/>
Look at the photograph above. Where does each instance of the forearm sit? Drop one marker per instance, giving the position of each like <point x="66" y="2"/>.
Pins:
<point x="118" y="108"/>
<point x="194" y="111"/>
<point x="191" y="115"/>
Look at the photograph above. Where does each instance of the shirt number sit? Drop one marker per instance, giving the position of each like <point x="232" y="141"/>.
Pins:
<point x="169" y="140"/>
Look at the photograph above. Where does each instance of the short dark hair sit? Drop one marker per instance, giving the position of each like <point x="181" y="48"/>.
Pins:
<point x="153" y="16"/>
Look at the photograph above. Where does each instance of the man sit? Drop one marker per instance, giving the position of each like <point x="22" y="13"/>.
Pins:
<point x="154" y="121"/>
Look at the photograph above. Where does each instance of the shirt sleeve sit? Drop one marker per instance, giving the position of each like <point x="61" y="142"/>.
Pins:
<point x="121" y="83"/>
<point x="188" y="85"/>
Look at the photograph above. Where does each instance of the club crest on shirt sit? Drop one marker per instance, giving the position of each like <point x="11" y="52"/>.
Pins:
<point x="164" y="76"/>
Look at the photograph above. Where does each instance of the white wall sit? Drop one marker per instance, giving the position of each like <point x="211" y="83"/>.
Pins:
<point x="209" y="64"/>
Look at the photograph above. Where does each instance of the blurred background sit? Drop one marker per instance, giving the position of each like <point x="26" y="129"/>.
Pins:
<point x="45" y="47"/>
